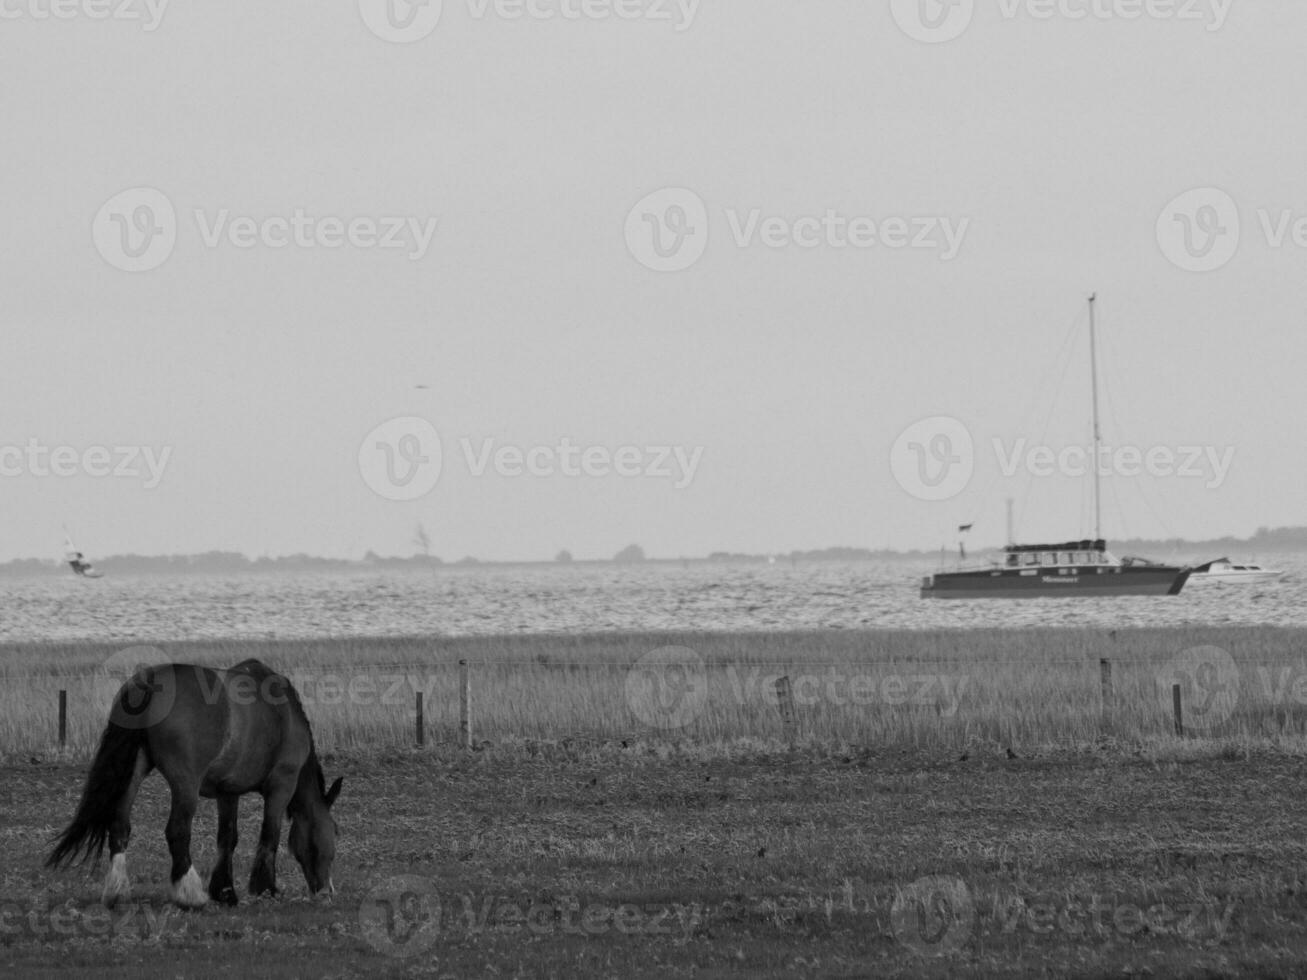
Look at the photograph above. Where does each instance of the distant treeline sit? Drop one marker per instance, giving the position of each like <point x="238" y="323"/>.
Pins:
<point x="1265" y="540"/>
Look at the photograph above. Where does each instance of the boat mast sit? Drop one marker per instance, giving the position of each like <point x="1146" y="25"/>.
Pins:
<point x="1093" y="379"/>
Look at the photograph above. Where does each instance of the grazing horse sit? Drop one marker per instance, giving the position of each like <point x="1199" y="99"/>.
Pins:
<point x="217" y="734"/>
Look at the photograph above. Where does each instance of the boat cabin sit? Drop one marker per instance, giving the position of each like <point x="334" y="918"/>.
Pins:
<point x="1058" y="555"/>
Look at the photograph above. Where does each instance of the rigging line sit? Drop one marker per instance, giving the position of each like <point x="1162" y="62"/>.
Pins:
<point x="1068" y="347"/>
<point x="1037" y="397"/>
<point x="1141" y="483"/>
<point x="1115" y="428"/>
<point x="1039" y="394"/>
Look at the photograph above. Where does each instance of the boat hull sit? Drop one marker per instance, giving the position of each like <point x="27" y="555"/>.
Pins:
<point x="1090" y="581"/>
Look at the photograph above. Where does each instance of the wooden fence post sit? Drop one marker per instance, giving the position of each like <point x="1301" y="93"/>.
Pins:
<point x="1105" y="669"/>
<point x="785" y="702"/>
<point x="465" y="704"/>
<point x="63" y="718"/>
<point x="1175" y="703"/>
<point x="421" y="727"/>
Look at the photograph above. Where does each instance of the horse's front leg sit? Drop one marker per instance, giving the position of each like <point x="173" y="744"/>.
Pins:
<point x="263" y="876"/>
<point x="221" y="887"/>
<point x="187" y="889"/>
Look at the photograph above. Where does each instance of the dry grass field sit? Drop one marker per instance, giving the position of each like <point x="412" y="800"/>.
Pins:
<point x="929" y="690"/>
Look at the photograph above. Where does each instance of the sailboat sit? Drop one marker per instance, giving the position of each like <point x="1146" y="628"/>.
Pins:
<point x="78" y="561"/>
<point x="1072" y="568"/>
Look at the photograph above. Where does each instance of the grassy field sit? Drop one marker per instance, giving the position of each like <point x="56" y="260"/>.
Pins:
<point x="946" y="804"/>
<point x="609" y="862"/>
<point x="932" y="690"/>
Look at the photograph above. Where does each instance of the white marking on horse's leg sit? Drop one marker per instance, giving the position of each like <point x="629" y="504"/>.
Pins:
<point x="116" y="883"/>
<point x="188" y="890"/>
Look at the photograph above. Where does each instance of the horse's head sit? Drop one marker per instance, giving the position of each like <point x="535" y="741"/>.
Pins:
<point x="313" y="838"/>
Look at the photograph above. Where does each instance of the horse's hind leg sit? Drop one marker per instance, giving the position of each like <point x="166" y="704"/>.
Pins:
<point x="117" y="884"/>
<point x="221" y="886"/>
<point x="187" y="889"/>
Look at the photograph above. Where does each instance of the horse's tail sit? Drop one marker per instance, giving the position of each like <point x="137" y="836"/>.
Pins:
<point x="109" y="778"/>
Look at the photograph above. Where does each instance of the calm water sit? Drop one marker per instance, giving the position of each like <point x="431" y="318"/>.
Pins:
<point x="550" y="599"/>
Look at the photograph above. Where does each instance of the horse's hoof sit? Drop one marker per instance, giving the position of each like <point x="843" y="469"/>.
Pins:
<point x="225" y="895"/>
<point x="188" y="891"/>
<point x="116" y="883"/>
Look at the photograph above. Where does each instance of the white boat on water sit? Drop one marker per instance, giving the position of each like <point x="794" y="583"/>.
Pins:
<point x="1225" y="570"/>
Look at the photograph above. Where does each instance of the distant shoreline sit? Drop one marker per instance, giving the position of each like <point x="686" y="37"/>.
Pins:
<point x="1264" y="542"/>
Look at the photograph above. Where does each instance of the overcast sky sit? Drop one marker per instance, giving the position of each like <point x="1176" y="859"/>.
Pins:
<point x="790" y="269"/>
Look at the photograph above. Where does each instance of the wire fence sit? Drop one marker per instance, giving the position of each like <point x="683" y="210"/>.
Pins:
<point x="674" y="693"/>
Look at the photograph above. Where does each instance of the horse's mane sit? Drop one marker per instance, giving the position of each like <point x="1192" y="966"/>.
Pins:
<point x="312" y="767"/>
<point x="296" y="705"/>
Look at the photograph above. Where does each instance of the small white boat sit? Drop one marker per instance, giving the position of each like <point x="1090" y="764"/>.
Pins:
<point x="1224" y="570"/>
